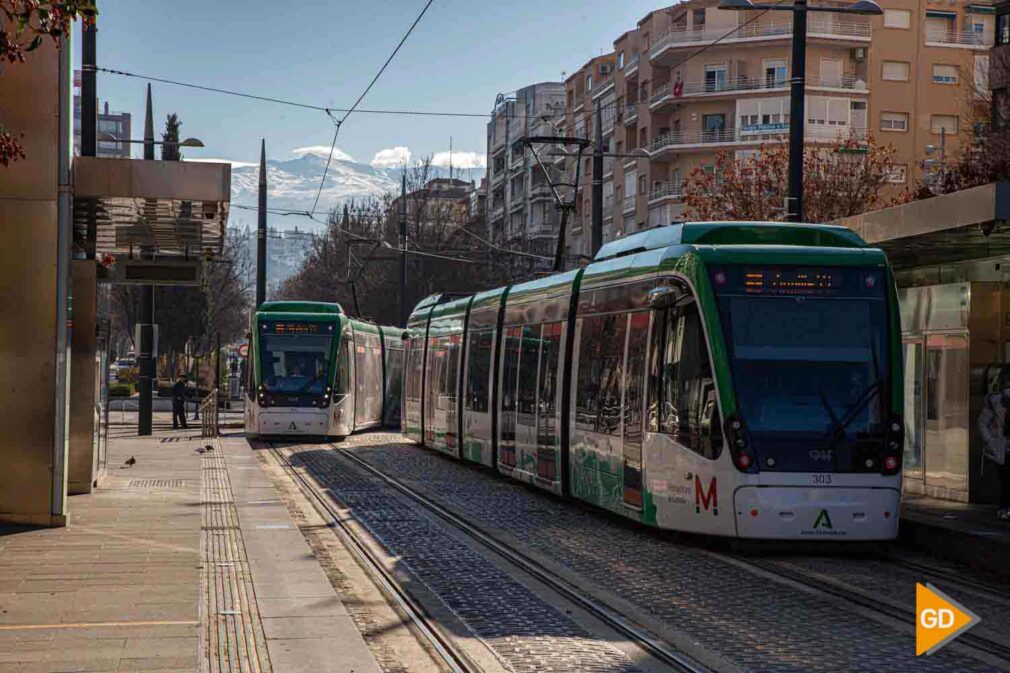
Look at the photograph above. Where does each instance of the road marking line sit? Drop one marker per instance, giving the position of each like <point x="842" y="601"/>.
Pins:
<point x="92" y="625"/>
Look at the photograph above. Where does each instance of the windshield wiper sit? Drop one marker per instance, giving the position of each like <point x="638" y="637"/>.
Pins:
<point x="863" y="401"/>
<point x="312" y="379"/>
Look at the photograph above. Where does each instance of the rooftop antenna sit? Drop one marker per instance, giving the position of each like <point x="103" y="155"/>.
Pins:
<point x="450" y="159"/>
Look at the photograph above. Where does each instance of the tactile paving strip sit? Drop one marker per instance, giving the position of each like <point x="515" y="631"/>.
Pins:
<point x="233" y="633"/>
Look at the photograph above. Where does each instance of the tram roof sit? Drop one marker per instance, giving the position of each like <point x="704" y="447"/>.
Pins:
<point x="731" y="233"/>
<point x="539" y="288"/>
<point x="320" y="308"/>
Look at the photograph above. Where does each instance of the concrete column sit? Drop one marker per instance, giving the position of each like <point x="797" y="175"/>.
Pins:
<point x="81" y="461"/>
<point x="31" y="487"/>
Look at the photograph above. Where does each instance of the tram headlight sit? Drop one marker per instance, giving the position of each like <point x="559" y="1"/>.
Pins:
<point x="893" y="446"/>
<point x="736" y="434"/>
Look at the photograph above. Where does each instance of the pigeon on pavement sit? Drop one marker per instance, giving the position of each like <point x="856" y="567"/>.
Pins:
<point x="131" y="461"/>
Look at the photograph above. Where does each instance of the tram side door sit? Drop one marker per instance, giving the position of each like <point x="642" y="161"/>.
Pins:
<point x="634" y="406"/>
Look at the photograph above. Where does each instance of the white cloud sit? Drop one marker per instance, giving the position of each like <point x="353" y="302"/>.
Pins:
<point x="459" y="160"/>
<point x="391" y="157"/>
<point x="323" y="151"/>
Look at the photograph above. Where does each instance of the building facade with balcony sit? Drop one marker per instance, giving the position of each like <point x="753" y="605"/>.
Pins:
<point x="591" y="86"/>
<point x="900" y="78"/>
<point x="521" y="210"/>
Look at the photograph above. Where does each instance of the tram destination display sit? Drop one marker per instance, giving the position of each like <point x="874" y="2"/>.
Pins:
<point x="796" y="281"/>
<point x="291" y="328"/>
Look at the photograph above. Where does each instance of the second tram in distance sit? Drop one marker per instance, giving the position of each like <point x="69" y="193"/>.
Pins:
<point x="735" y="379"/>
<point x="314" y="371"/>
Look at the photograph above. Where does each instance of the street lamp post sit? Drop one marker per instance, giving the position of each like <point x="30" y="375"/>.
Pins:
<point x="797" y="112"/>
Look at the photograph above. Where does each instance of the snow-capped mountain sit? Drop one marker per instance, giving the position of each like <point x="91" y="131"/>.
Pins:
<point x="292" y="185"/>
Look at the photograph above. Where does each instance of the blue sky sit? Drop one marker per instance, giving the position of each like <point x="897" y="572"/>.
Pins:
<point x="326" y="51"/>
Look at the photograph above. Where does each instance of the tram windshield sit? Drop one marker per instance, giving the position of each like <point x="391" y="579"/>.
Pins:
<point x="809" y="358"/>
<point x="295" y="357"/>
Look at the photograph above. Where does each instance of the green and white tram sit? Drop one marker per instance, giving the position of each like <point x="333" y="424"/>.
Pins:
<point x="314" y="371"/>
<point x="736" y="379"/>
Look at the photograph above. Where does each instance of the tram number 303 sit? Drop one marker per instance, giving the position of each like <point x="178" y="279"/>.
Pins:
<point x="822" y="478"/>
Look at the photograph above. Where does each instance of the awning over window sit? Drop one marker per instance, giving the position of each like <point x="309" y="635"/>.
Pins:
<point x="937" y="14"/>
<point x="981" y="9"/>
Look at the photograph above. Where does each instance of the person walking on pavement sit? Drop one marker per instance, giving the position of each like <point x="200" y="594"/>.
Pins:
<point x="179" y="402"/>
<point x="994" y="428"/>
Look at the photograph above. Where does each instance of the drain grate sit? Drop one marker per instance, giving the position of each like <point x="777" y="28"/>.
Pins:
<point x="156" y="483"/>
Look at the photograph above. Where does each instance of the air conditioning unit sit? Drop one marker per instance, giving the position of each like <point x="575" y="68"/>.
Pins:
<point x="859" y="54"/>
<point x="606" y="69"/>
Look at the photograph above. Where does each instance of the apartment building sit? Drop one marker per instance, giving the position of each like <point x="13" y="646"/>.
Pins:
<point x="521" y="209"/>
<point x="901" y="77"/>
<point x="592" y="86"/>
<point x="999" y="79"/>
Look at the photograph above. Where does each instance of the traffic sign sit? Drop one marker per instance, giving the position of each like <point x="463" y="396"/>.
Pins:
<point x="243" y="350"/>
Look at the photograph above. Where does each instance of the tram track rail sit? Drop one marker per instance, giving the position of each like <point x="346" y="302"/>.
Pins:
<point x="818" y="584"/>
<point x="651" y="644"/>
<point x="453" y="657"/>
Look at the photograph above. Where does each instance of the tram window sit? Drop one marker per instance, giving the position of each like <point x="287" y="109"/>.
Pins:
<point x="344" y="363"/>
<point x="453" y="347"/>
<point x="550" y="351"/>
<point x="685" y="395"/>
<point x="527" y="392"/>
<point x="478" y="373"/>
<point x="413" y="370"/>
<point x="601" y="356"/>
<point x="588" y="383"/>
<point x="634" y="375"/>
<point x="510" y="369"/>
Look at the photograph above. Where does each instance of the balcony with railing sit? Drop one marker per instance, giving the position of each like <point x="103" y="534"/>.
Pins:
<point x="665" y="191"/>
<point x="631" y="67"/>
<point x="603" y="86"/>
<point x="541" y="191"/>
<point x="630" y="113"/>
<point x="670" y="93"/>
<point x="629" y="203"/>
<point x="679" y="141"/>
<point x="964" y="39"/>
<point x="497" y="213"/>
<point x="818" y="27"/>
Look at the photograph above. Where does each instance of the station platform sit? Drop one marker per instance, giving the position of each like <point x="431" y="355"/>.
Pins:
<point x="956" y="531"/>
<point x="186" y="560"/>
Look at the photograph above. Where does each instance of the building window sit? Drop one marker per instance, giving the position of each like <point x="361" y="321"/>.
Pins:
<point x="893" y="121"/>
<point x="1003" y="29"/>
<point x="897" y="18"/>
<point x="896" y="71"/>
<point x="947" y="123"/>
<point x="898" y="174"/>
<point x="699" y="17"/>
<point x="715" y="77"/>
<point x="775" y="73"/>
<point x="641" y="184"/>
<point x="944" y="74"/>
<point x="620" y="61"/>
<point x="589" y="82"/>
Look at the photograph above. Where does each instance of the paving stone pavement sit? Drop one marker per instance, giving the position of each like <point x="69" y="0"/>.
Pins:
<point x="523" y="631"/>
<point x="118" y="589"/>
<point x="755" y="623"/>
<point x="187" y="561"/>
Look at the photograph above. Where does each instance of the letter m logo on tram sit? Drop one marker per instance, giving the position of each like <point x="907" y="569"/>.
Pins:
<point x="706" y="498"/>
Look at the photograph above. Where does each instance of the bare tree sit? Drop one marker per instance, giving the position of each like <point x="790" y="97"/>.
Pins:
<point x="842" y="178"/>
<point x="355" y="259"/>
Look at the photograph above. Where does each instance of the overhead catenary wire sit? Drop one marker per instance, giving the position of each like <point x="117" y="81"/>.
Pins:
<point x="409" y="112"/>
<point x="340" y="123"/>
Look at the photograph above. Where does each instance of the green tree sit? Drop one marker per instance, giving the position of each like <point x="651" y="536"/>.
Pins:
<point x="170" y="138"/>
